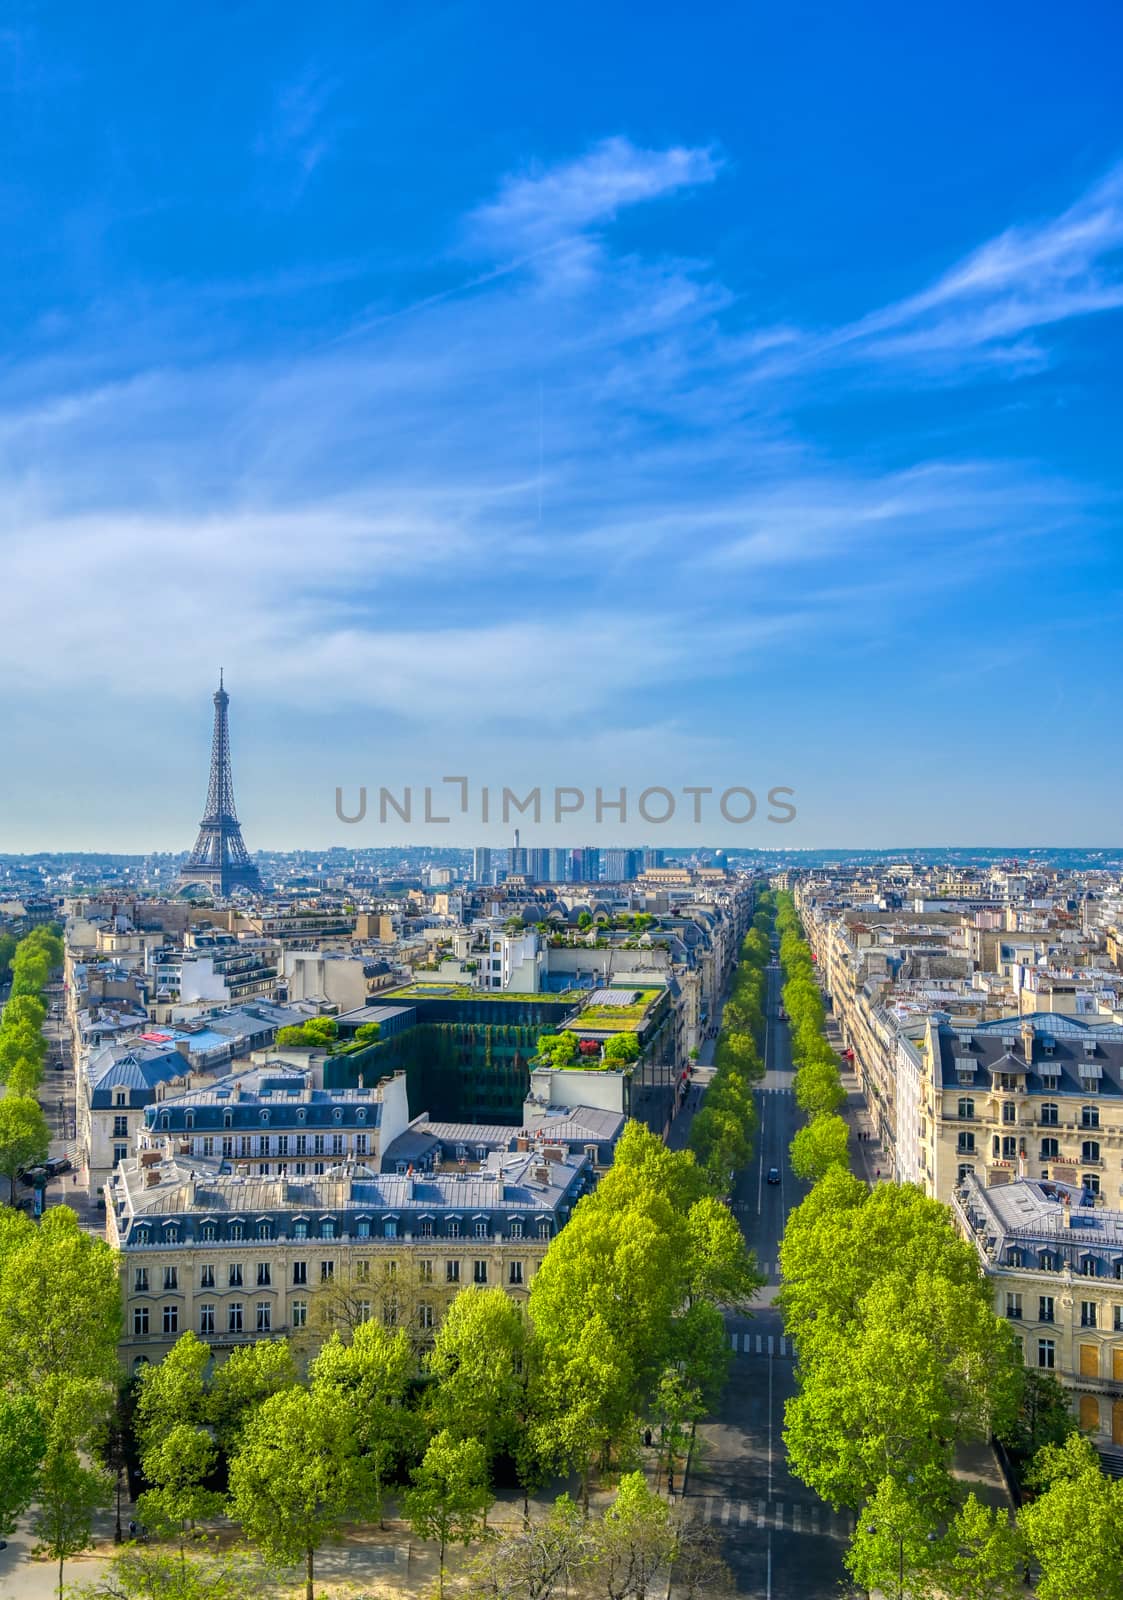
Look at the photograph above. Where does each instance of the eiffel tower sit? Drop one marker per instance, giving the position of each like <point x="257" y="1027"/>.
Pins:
<point x="220" y="859"/>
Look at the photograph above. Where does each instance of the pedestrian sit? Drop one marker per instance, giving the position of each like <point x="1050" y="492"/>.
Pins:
<point x="877" y="1174"/>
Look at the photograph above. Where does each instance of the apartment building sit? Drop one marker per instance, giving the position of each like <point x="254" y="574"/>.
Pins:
<point x="1055" y="1261"/>
<point x="243" y="1258"/>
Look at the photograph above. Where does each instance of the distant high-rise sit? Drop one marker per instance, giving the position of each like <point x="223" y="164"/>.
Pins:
<point x="557" y="870"/>
<point x="586" y="864"/>
<point x="538" y="865"/>
<point x="220" y="859"/>
<point x="652" y="858"/>
<point x="481" y="864"/>
<point x="621" y="866"/>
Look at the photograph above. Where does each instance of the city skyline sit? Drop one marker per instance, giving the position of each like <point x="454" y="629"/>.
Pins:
<point x="623" y="439"/>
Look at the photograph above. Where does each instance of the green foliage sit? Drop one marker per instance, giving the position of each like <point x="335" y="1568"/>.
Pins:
<point x="634" y="1544"/>
<point x="558" y="1049"/>
<point x="67" y="1495"/>
<point x="22" y="1444"/>
<point x="893" y="1545"/>
<point x="479" y="1360"/>
<point x="625" y="1291"/>
<point x="247" y="1378"/>
<point x="318" y="1033"/>
<point x="368" y="1032"/>
<point x="177" y="1466"/>
<point x="901" y="1355"/>
<point x="374" y="1373"/>
<point x="451" y="1495"/>
<point x="824" y="1143"/>
<point x="298" y="1474"/>
<point x="1044" y="1416"/>
<point x="60" y="1317"/>
<point x="621" y="1049"/>
<point x="1074" y="1530"/>
<point x="25" y="1136"/>
<point x="982" y="1556"/>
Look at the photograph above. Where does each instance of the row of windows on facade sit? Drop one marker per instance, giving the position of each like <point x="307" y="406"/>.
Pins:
<point x="1009" y="1147"/>
<point x="1048" y="1115"/>
<point x="1089" y="1181"/>
<point x="298" y="1309"/>
<point x="328" y="1228"/>
<point x="1088" y="1266"/>
<point x="281" y="1144"/>
<point x="1046" y="1311"/>
<point x="235" y="1277"/>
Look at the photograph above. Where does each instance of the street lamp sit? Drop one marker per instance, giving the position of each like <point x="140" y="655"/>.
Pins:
<point x="871" y="1527"/>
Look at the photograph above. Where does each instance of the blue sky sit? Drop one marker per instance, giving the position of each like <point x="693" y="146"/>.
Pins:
<point x="585" y="394"/>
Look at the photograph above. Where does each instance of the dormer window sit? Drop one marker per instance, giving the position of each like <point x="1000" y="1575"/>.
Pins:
<point x="337" y="1115"/>
<point x="188" y="1119"/>
<point x="237" y="1232"/>
<point x="362" y="1113"/>
<point x="227" y="1119"/>
<point x="120" y="1098"/>
<point x="264" y="1117"/>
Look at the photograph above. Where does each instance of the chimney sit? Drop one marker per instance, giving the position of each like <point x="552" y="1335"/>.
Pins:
<point x="1066" y="1202"/>
<point x="542" y="1175"/>
<point x="1027" y="1041"/>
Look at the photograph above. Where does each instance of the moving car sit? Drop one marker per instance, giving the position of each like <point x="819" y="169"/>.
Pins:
<point x="773" y="1174"/>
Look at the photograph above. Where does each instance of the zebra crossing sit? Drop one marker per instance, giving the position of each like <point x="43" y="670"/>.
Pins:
<point x="796" y="1517"/>
<point x="761" y="1344"/>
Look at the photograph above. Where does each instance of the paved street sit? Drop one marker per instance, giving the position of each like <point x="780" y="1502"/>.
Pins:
<point x="780" y="1540"/>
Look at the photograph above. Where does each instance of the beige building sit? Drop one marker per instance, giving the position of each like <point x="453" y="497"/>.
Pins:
<point x="1056" y="1264"/>
<point x="241" y="1258"/>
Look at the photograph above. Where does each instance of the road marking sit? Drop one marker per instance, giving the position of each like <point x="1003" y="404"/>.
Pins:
<point x="708" y="1508"/>
<point x="778" y="1520"/>
<point x="758" y="1344"/>
<point x="814" y="1519"/>
<point x="771" y="1341"/>
<point x="726" y="1512"/>
<point x="768" y="1579"/>
<point x="760" y="1513"/>
<point x="743" y="1513"/>
<point x="770" y="1424"/>
<point x="797" y="1519"/>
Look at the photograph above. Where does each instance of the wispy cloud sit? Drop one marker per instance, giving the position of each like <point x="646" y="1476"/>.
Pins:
<point x="989" y="308"/>
<point x="541" y="207"/>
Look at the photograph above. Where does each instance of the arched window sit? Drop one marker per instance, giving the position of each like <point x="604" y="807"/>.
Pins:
<point x="188" y="1119"/>
<point x="1090" y="1150"/>
<point x="227" y="1119"/>
<point x="1049" y="1148"/>
<point x="1089" y="1116"/>
<point x="966" y="1108"/>
<point x="265" y="1117"/>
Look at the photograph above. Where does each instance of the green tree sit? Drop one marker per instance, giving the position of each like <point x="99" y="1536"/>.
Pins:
<point x="1074" y="1529"/>
<point x="924" y="1365"/>
<point x="172" y="1392"/>
<point x="723" y="1269"/>
<point x="298" y="1475"/>
<point x="982" y="1556"/>
<point x="25" y="1137"/>
<point x="60" y="1318"/>
<point x="249" y="1376"/>
<point x="451" y="1495"/>
<point x="374" y="1373"/>
<point x="22" y="1444"/>
<point x="479" y="1361"/>
<point x="585" y="921"/>
<point x="893" y="1547"/>
<point x="368" y="1032"/>
<point x="178" y="1466"/>
<point x="584" y="1399"/>
<point x="818" y="1088"/>
<point x="622" y="1048"/>
<point x="67" y="1496"/>
<point x="634" y="1543"/>
<point x="1044" y="1415"/>
<point x="824" y="1143"/>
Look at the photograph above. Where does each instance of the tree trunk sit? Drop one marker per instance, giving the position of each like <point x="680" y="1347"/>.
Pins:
<point x="309" y="1576"/>
<point x="60" y="1561"/>
<point x="441" y="1572"/>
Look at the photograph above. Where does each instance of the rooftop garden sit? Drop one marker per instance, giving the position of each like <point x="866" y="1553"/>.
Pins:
<point x="625" y="1018"/>
<point x="322" y="1033"/>
<point x="436" y="990"/>
<point x="570" y="1052"/>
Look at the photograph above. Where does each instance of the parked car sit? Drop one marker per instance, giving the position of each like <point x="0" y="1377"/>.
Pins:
<point x="773" y="1174"/>
<point x="33" y="1176"/>
<point x="55" y="1166"/>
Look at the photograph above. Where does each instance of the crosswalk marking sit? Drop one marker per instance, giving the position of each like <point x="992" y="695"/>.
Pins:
<point x="805" y="1520"/>
<point x="747" y="1344"/>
